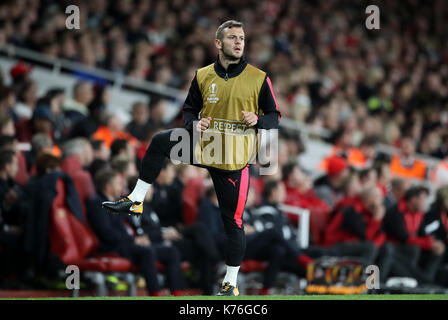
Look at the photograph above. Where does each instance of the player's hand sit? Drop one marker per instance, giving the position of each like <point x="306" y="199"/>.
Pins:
<point x="438" y="247"/>
<point x="142" y="241"/>
<point x="203" y="124"/>
<point x="248" y="229"/>
<point x="249" y="118"/>
<point x="171" y="233"/>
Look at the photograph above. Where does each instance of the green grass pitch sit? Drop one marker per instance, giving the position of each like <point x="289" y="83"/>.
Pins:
<point x="299" y="297"/>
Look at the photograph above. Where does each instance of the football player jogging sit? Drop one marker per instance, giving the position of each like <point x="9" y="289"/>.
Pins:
<point x="227" y="102"/>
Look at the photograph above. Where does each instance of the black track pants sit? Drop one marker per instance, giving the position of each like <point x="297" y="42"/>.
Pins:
<point x="231" y="188"/>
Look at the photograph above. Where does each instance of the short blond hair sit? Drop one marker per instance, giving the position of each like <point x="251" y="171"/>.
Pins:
<point x="227" y="24"/>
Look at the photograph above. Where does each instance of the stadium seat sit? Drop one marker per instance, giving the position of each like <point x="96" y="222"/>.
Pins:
<point x="185" y="265"/>
<point x="191" y="195"/>
<point x="82" y="180"/>
<point x="75" y="244"/>
<point x="251" y="265"/>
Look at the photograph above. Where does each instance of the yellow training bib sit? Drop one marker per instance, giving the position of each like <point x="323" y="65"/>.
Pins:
<point x="228" y="143"/>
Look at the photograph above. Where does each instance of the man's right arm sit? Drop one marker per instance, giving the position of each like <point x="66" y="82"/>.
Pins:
<point x="192" y="105"/>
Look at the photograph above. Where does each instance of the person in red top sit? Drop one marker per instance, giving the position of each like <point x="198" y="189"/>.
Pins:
<point x="404" y="227"/>
<point x="352" y="193"/>
<point x="329" y="186"/>
<point x="299" y="193"/>
<point x="356" y="230"/>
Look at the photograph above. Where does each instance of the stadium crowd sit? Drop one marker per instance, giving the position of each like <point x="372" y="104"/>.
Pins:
<point x="327" y="70"/>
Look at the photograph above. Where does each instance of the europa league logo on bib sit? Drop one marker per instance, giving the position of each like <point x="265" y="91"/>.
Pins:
<point x="213" y="89"/>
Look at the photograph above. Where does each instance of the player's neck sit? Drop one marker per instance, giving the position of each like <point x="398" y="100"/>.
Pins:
<point x="226" y="62"/>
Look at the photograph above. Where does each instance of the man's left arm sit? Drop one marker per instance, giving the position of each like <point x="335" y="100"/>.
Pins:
<point x="268" y="103"/>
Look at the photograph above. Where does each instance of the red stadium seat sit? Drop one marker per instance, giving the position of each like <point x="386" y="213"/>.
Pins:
<point x="82" y="180"/>
<point x="191" y="195"/>
<point x="185" y="265"/>
<point x="75" y="244"/>
<point x="251" y="265"/>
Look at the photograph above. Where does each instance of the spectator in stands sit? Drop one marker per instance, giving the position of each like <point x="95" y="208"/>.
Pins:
<point x="77" y="155"/>
<point x="41" y="122"/>
<point x="167" y="200"/>
<point x="351" y="193"/>
<point x="7" y="125"/>
<point x="10" y="143"/>
<point x="7" y="100"/>
<point x="329" y="186"/>
<point x="114" y="236"/>
<point x="101" y="156"/>
<point x="126" y="168"/>
<point x="435" y="224"/>
<point x="41" y="143"/>
<point x="96" y="114"/>
<point x="299" y="193"/>
<point x="404" y="164"/>
<point x="403" y="225"/>
<point x="368" y="147"/>
<point x="111" y="131"/>
<point x="140" y="116"/>
<point x="157" y="109"/>
<point x="27" y="99"/>
<point x="54" y="99"/>
<point x="10" y="191"/>
<point x="439" y="174"/>
<point x="37" y="201"/>
<point x="76" y="108"/>
<point x="194" y="240"/>
<point x="268" y="226"/>
<point x="343" y="147"/>
<point x="20" y="74"/>
<point x="368" y="177"/>
<point x="398" y="188"/>
<point x="384" y="178"/>
<point x="122" y="147"/>
<point x="356" y="231"/>
<point x="100" y="151"/>
<point x="12" y="217"/>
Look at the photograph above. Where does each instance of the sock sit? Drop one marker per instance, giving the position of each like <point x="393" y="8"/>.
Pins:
<point x="231" y="275"/>
<point x="139" y="192"/>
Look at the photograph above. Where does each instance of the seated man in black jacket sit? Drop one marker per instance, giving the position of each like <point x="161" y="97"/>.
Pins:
<point x="194" y="240"/>
<point x="435" y="224"/>
<point x="114" y="236"/>
<point x="404" y="226"/>
<point x="11" y="217"/>
<point x="269" y="221"/>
